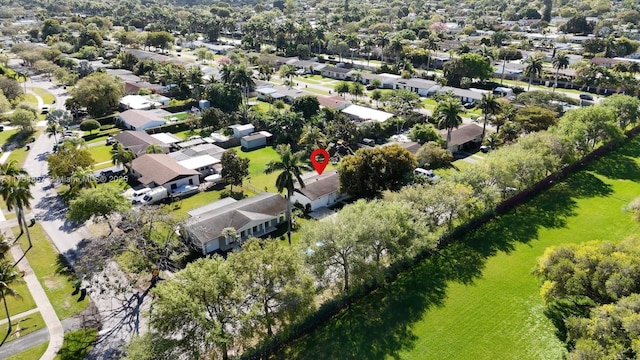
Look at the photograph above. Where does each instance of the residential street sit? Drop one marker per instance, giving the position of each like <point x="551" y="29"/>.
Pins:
<point x="119" y="313"/>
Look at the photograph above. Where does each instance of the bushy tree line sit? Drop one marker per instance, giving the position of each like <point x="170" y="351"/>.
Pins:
<point x="592" y="295"/>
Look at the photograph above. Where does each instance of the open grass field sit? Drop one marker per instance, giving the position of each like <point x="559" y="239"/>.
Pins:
<point x="27" y="324"/>
<point x="477" y="299"/>
<point x="31" y="353"/>
<point x="56" y="278"/>
<point x="46" y="96"/>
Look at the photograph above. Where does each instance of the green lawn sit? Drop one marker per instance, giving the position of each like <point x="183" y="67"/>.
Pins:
<point x="100" y="153"/>
<point x="316" y="91"/>
<point x="28" y="98"/>
<point x="192" y="202"/>
<point x="179" y="116"/>
<point x="77" y="344"/>
<point x="31" y="353"/>
<point x="19" y="304"/>
<point x="7" y="135"/>
<point x="477" y="299"/>
<point x="46" y="96"/>
<point x="28" y="324"/>
<point x="56" y="278"/>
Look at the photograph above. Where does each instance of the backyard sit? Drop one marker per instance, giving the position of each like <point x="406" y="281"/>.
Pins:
<point x="477" y="299"/>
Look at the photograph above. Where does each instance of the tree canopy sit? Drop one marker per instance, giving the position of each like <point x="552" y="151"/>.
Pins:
<point x="99" y="92"/>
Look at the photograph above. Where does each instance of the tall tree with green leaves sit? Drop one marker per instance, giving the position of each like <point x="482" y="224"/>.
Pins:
<point x="98" y="202"/>
<point x="202" y="303"/>
<point x="559" y="62"/>
<point x="234" y="168"/>
<point x="281" y="288"/>
<point x="290" y="165"/>
<point x="121" y="156"/>
<point x="490" y="106"/>
<point x="533" y="68"/>
<point x="449" y="117"/>
<point x="15" y="189"/>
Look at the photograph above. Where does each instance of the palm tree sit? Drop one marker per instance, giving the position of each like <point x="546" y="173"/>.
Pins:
<point x="121" y="156"/>
<point x="290" y="166"/>
<point x="382" y="41"/>
<point x="534" y="68"/>
<point x="560" y="61"/>
<point x="448" y="114"/>
<point x="312" y="138"/>
<point x="489" y="105"/>
<point x="9" y="276"/>
<point x="16" y="193"/>
<point x="288" y="71"/>
<point x="356" y="89"/>
<point x="52" y="130"/>
<point x="369" y="43"/>
<point x="242" y="76"/>
<point x="154" y="149"/>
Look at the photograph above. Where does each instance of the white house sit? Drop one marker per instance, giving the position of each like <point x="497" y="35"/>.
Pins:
<point x="141" y="120"/>
<point x="387" y="81"/>
<point x="138" y="102"/>
<point x="241" y="130"/>
<point x="255" y="216"/>
<point x="421" y="87"/>
<point x="204" y="164"/>
<point x="154" y="170"/>
<point x="337" y="73"/>
<point x="319" y="191"/>
<point x="361" y="113"/>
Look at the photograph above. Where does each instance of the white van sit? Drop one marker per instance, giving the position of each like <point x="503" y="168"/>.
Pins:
<point x="429" y="174"/>
<point x="139" y="194"/>
<point x="155" y="195"/>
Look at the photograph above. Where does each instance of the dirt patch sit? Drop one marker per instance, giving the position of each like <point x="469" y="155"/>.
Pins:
<point x="52" y="283"/>
<point x="98" y="229"/>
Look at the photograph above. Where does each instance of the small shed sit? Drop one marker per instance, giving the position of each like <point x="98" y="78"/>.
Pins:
<point x="255" y="141"/>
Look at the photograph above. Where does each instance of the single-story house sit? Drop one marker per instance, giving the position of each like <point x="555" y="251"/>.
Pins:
<point x="333" y="102"/>
<point x="154" y="170"/>
<point x="421" y="87"/>
<point x="204" y="164"/>
<point x="141" y="120"/>
<point x="203" y="149"/>
<point x="337" y="73"/>
<point x="241" y="130"/>
<point x="318" y="191"/>
<point x="166" y="138"/>
<point x="266" y="93"/>
<point x="138" y="141"/>
<point x="464" y="137"/>
<point x="361" y="113"/>
<point x="133" y="87"/>
<point x="503" y="91"/>
<point x="465" y="95"/>
<point x="387" y="81"/>
<point x="255" y="140"/>
<point x="137" y="102"/>
<point x="309" y="67"/>
<point x="255" y="216"/>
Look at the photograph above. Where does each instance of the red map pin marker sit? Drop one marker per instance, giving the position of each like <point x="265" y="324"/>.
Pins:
<point x="319" y="165"/>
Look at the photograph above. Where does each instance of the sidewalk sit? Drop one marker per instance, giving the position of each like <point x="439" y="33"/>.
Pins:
<point x="56" y="332"/>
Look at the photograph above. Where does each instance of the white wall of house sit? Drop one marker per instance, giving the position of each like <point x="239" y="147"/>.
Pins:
<point x="188" y="180"/>
<point x="327" y="200"/>
<point x="148" y="125"/>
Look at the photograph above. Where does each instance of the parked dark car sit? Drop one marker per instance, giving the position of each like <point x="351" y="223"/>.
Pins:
<point x="586" y="97"/>
<point x="468" y="105"/>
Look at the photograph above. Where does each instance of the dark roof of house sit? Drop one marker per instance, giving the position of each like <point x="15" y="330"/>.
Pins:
<point x="138" y="141"/>
<point x="208" y="224"/>
<point x="319" y="186"/>
<point x="413" y="146"/>
<point x="336" y="69"/>
<point x="255" y="136"/>
<point x="604" y="61"/>
<point x="159" y="169"/>
<point x="463" y="134"/>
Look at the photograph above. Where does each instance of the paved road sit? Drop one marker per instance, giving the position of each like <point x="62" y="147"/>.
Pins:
<point x="35" y="338"/>
<point x="120" y="314"/>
